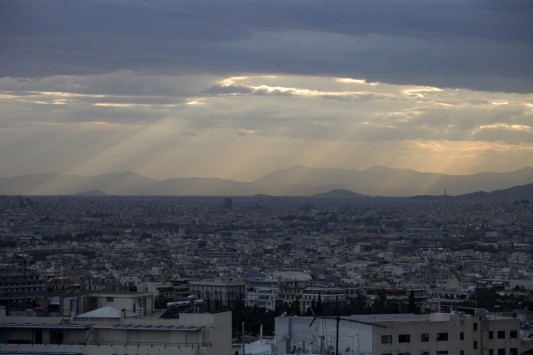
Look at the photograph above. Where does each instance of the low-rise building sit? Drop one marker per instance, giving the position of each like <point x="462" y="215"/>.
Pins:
<point x="17" y="284"/>
<point x="261" y="293"/>
<point x="218" y="293"/>
<point x="385" y="334"/>
<point x="315" y="295"/>
<point x="111" y="330"/>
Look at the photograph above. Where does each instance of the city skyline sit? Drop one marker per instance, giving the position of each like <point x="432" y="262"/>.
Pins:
<point x="239" y="89"/>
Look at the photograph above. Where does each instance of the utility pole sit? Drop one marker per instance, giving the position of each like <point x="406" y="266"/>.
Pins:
<point x="338" y="318"/>
<point x="242" y="338"/>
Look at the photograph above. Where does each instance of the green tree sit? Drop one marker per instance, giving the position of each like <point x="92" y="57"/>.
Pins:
<point x="319" y="309"/>
<point x="411" y="307"/>
<point x="160" y="302"/>
<point x="380" y="303"/>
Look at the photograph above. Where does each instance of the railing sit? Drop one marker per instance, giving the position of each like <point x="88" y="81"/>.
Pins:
<point x="33" y="313"/>
<point x="112" y="343"/>
<point x="149" y="344"/>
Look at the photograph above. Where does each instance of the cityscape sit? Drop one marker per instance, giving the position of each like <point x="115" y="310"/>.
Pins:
<point x="252" y="264"/>
<point x="266" y="177"/>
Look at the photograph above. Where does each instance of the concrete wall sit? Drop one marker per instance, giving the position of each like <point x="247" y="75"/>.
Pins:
<point x="212" y="338"/>
<point x="107" y="349"/>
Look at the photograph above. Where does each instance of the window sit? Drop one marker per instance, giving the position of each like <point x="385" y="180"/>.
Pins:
<point x="475" y="326"/>
<point x="110" y="299"/>
<point x="386" y="353"/>
<point x="404" y="338"/>
<point x="404" y="353"/>
<point x="462" y="336"/>
<point x="491" y="335"/>
<point x="386" y="339"/>
<point x="513" y="351"/>
<point x="491" y="352"/>
<point x="462" y="352"/>
<point x="475" y="345"/>
<point x="424" y="337"/>
<point x="424" y="353"/>
<point x="501" y="351"/>
<point x="501" y="335"/>
<point x="442" y="352"/>
<point x="442" y="336"/>
<point x="513" y="334"/>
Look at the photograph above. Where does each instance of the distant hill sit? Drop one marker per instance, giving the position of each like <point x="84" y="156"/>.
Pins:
<point x="515" y="193"/>
<point x="339" y="193"/>
<point x="296" y="181"/>
<point x="200" y="186"/>
<point x="123" y="183"/>
<point x="392" y="182"/>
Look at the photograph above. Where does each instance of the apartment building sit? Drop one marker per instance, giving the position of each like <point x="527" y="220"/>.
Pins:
<point x="18" y="284"/>
<point x="401" y="334"/>
<point x="111" y="330"/>
<point x="313" y="295"/>
<point x="218" y="293"/>
<point x="261" y="293"/>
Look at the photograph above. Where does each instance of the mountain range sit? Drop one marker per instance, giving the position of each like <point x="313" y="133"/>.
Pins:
<point x="295" y="181"/>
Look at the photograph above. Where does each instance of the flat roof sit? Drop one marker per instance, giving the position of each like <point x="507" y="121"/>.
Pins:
<point x="121" y="294"/>
<point x="156" y="327"/>
<point x="43" y="326"/>
<point x="217" y="282"/>
<point x="403" y="317"/>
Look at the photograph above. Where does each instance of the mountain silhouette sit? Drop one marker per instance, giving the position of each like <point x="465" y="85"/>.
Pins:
<point x="295" y="181"/>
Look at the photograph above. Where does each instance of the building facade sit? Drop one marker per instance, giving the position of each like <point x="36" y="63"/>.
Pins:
<point x="262" y="294"/>
<point x="401" y="334"/>
<point x="108" y="330"/>
<point x="218" y="293"/>
<point x="17" y="285"/>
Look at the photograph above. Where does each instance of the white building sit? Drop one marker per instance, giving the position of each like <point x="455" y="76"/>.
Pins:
<point x="400" y="334"/>
<point x="218" y="293"/>
<point x="324" y="294"/>
<point x="109" y="330"/>
<point x="261" y="293"/>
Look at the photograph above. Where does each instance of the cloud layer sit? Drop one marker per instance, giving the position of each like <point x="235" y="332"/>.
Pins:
<point x="239" y="88"/>
<point x="485" y="45"/>
<point x="128" y="120"/>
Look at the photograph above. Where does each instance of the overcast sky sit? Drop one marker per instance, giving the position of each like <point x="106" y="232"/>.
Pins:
<point x="240" y="88"/>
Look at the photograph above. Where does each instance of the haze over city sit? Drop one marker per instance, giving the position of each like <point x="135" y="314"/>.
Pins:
<point x="239" y="89"/>
<point x="266" y="177"/>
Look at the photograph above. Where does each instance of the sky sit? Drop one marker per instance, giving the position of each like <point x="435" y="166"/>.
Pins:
<point x="237" y="89"/>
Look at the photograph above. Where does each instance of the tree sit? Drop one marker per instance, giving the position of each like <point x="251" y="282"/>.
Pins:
<point x="411" y="308"/>
<point x="319" y="308"/>
<point x="161" y="302"/>
<point x="380" y="303"/>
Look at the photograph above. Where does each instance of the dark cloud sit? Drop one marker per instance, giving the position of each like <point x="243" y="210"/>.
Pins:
<point x="228" y="90"/>
<point x="480" y="44"/>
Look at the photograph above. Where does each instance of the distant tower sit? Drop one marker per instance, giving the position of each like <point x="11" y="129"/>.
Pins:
<point x="228" y="203"/>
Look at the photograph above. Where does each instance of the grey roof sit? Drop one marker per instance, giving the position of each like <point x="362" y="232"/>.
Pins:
<point x="105" y="312"/>
<point x="404" y="317"/>
<point x="43" y="326"/>
<point x="156" y="327"/>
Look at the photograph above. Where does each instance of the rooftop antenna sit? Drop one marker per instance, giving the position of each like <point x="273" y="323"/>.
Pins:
<point x="338" y="319"/>
<point x="242" y="339"/>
